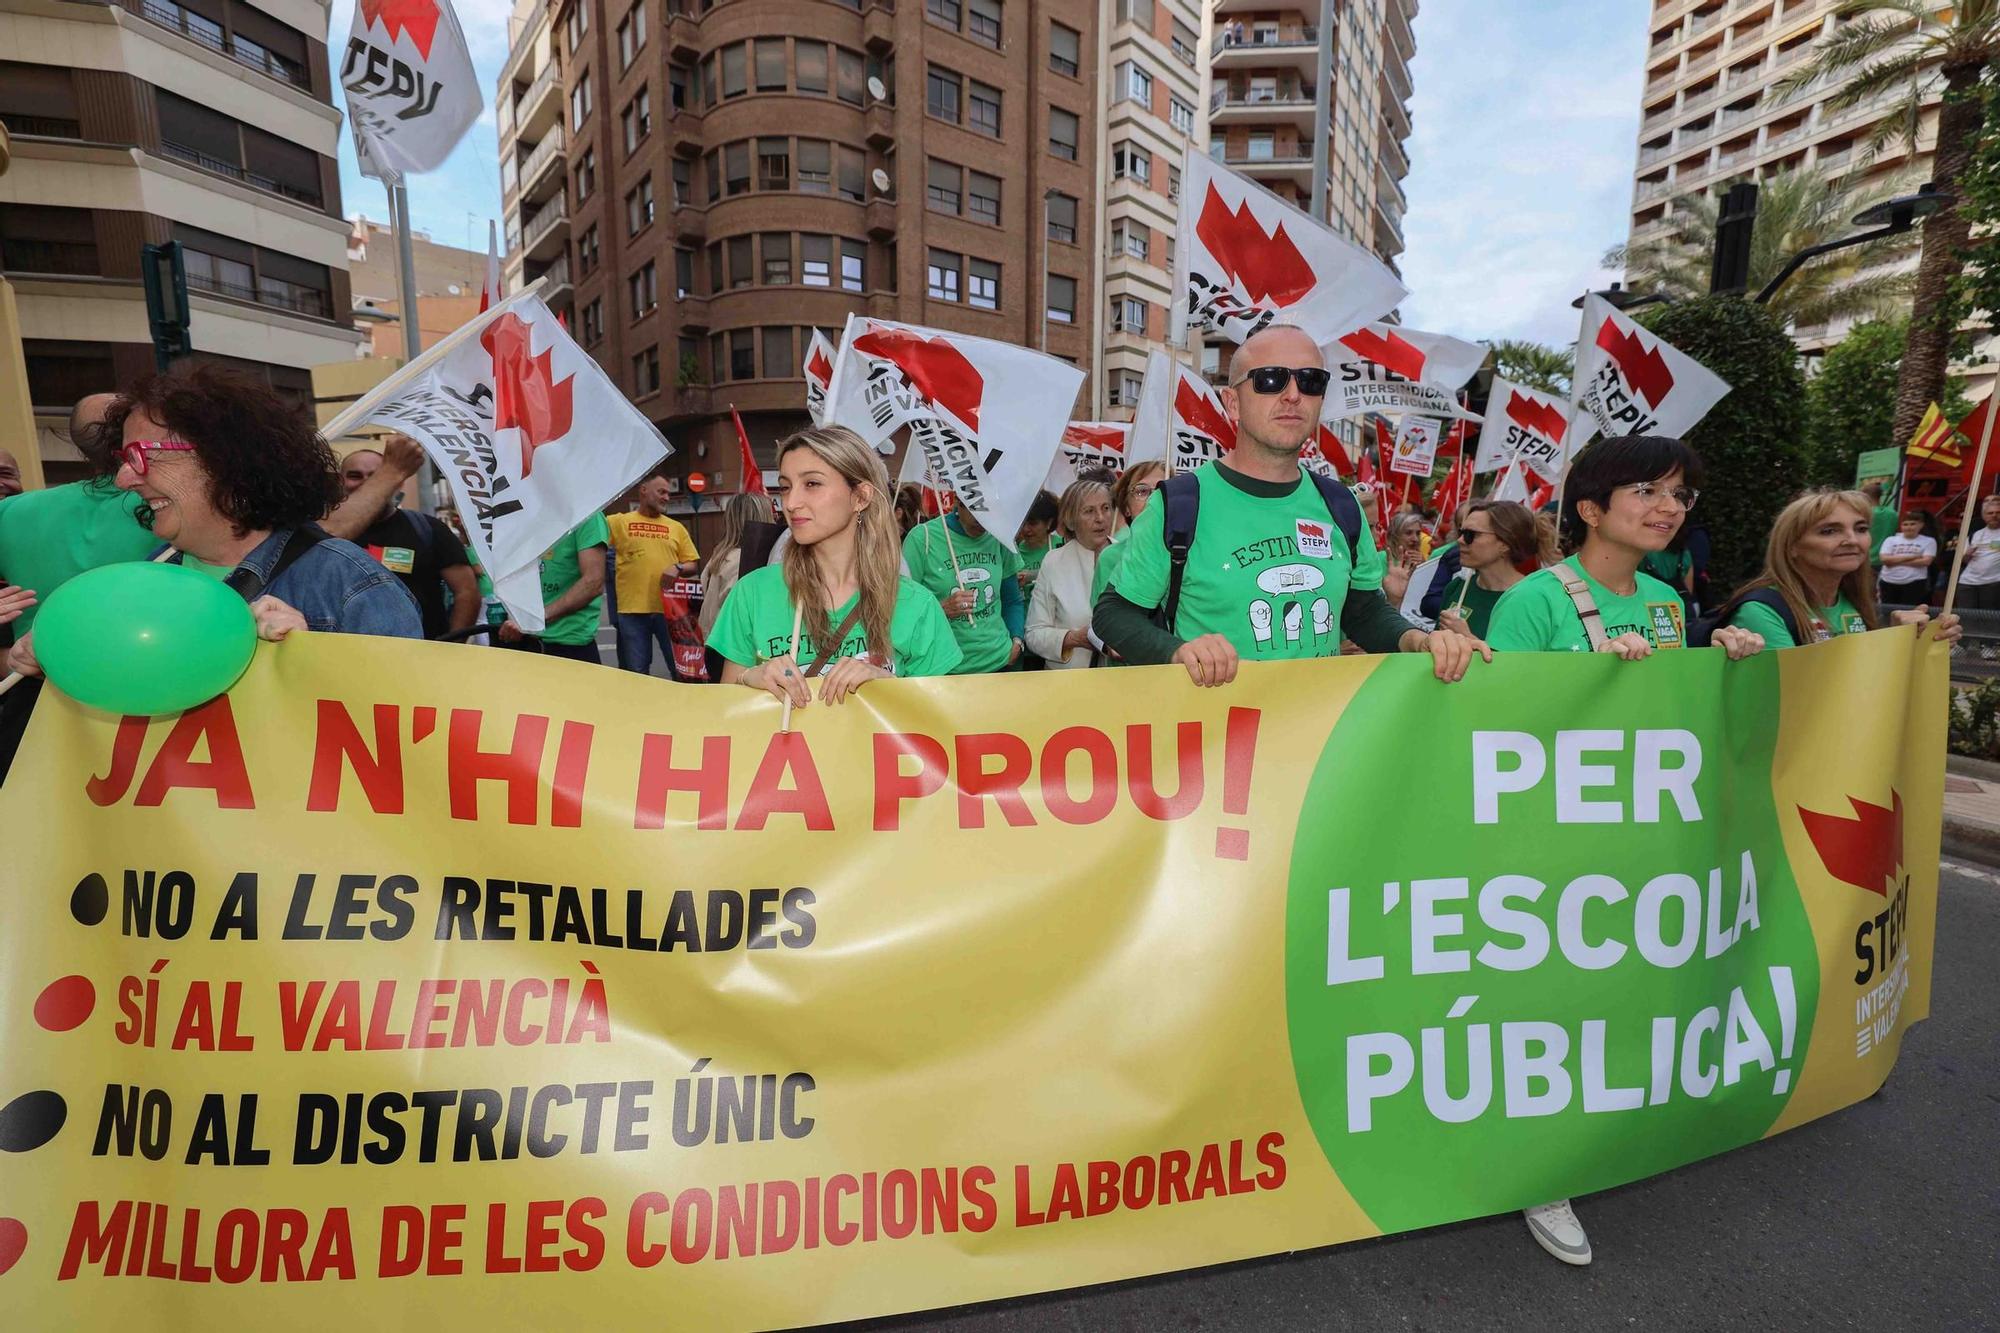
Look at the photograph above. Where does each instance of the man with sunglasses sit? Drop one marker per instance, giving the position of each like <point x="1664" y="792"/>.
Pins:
<point x="1271" y="572"/>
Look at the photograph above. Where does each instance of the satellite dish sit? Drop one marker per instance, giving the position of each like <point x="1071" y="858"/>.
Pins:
<point x="453" y="289"/>
<point x="881" y="179"/>
<point x="876" y="90"/>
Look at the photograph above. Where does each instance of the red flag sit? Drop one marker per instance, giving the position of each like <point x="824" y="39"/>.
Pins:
<point x="1371" y="468"/>
<point x="753" y="476"/>
<point x="1454" y="490"/>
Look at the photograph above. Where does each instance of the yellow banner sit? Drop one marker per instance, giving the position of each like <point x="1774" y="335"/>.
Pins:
<point x="450" y="989"/>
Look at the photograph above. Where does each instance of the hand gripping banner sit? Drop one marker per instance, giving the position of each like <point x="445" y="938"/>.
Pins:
<point x="456" y="990"/>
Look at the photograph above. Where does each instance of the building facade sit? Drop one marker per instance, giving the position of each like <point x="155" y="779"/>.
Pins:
<point x="698" y="194"/>
<point x="149" y="121"/>
<point x="448" y="282"/>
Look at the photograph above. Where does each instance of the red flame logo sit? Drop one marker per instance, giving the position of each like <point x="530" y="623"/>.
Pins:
<point x="418" y="18"/>
<point x="1198" y="412"/>
<point x="1400" y="355"/>
<point x="1865" y="851"/>
<point x="1109" y="439"/>
<point x="935" y="368"/>
<point x="819" y="367"/>
<point x="1541" y="418"/>
<point x="1643" y="367"/>
<point x="526" y="394"/>
<point x="1268" y="268"/>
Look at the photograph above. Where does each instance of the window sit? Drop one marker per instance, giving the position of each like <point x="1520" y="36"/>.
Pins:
<point x="1134" y="84"/>
<point x="1218" y="146"/>
<point x="1062" y="133"/>
<point x="941" y="94"/>
<point x="850" y="77"/>
<point x="982" y="285"/>
<point x="1131" y="162"/>
<point x="1062" y="219"/>
<point x="853" y="254"/>
<point x="853" y="174"/>
<point x="811" y="57"/>
<point x="742" y="354"/>
<point x="715" y="283"/>
<point x="1263" y="145"/>
<point x="1125" y="388"/>
<point x="1062" y="299"/>
<point x="631" y="34"/>
<point x="683" y="273"/>
<point x="688" y="368"/>
<point x="638" y="118"/>
<point x="1136" y="11"/>
<point x="577" y="24"/>
<point x="579" y="102"/>
<point x="770" y="63"/>
<point x="711" y="167"/>
<point x="946" y="12"/>
<point x="777" y="258"/>
<point x="986" y="109"/>
<point x="982" y="197"/>
<point x="1173" y="181"/>
<point x="774" y="164"/>
<point x="735" y="71"/>
<point x="1183" y="43"/>
<point x="941" y="276"/>
<point x="709" y="89"/>
<point x="644" y="289"/>
<point x="1133" y="239"/>
<point x="683" y="182"/>
<point x="639" y="207"/>
<point x="815" y="166"/>
<point x="816" y="261"/>
<point x="1065" y="50"/>
<point x="593" y="323"/>
<point x="941" y="193"/>
<point x="984" y="25"/>
<point x="586" y="250"/>
<point x="1128" y="315"/>
<point x="586" y="174"/>
<point x="677" y="86"/>
<point x="736" y="167"/>
<point x="646" y="373"/>
<point x="777" y="351"/>
<point x="1180" y="114"/>
<point x="741" y="272"/>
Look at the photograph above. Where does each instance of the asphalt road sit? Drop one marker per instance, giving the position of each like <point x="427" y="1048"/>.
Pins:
<point x="1883" y="1216"/>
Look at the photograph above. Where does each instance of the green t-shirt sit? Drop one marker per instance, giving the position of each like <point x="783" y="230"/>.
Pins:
<point x="1882" y="525"/>
<point x="49" y="537"/>
<point x="1536" y="615"/>
<point x="560" y="571"/>
<point x="984" y="642"/>
<point x="1476" y="602"/>
<point x="1269" y="568"/>
<point x="1032" y="556"/>
<point x="1669" y="567"/>
<point x="1829" y="622"/>
<point x="1109" y="560"/>
<point x="755" y="625"/>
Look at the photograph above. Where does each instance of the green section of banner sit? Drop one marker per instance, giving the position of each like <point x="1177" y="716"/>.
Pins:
<point x="1629" y="995"/>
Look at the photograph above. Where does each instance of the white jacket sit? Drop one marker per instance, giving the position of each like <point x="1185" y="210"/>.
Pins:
<point x="1061" y="603"/>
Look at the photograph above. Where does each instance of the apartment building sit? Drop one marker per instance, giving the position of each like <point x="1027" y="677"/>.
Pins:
<point x="146" y="121"/>
<point x="699" y="193"/>
<point x="448" y="283"/>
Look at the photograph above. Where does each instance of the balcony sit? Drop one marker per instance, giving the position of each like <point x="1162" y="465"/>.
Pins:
<point x="270" y="293"/>
<point x="879" y="125"/>
<point x="544" y="234"/>
<point x="539" y="109"/>
<point x="1242" y="48"/>
<point x="1272" y="162"/>
<point x="241" y="49"/>
<point x="1835" y="160"/>
<point x="46" y="127"/>
<point x="536" y="176"/>
<point x="1284" y="106"/>
<point x="1701" y="23"/>
<point x="1702" y="99"/>
<point x="1651" y="190"/>
<point x="221" y="167"/>
<point x="1701" y="65"/>
<point x="1648" y="156"/>
<point x="76" y="258"/>
<point x="555" y="279"/>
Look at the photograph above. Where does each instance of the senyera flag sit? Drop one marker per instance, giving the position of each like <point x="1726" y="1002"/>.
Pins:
<point x="1244" y="259"/>
<point x="1388" y="368"/>
<point x="1629" y="382"/>
<point x="1180" y="420"/>
<point x="411" y="92"/>
<point x="1527" y="425"/>
<point x="1086" y="445"/>
<point x="527" y="430"/>
<point x="818" y="372"/>
<point x="987" y="416"/>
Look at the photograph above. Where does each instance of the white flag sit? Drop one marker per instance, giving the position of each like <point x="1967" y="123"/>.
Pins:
<point x="1086" y="445"/>
<point x="1244" y="258"/>
<point x="1181" y="419"/>
<point x="818" y="372"/>
<point x="1630" y="383"/>
<point x="1389" y="369"/>
<point x="1526" y="426"/>
<point x="411" y="92"/>
<point x="987" y="416"/>
<point x="529" y="432"/>
<point x="1416" y="447"/>
<point x="489" y="285"/>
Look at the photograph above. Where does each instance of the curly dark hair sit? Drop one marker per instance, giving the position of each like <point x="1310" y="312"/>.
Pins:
<point x="268" y="466"/>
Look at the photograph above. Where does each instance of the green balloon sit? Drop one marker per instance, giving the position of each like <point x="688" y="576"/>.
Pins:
<point x="144" y="638"/>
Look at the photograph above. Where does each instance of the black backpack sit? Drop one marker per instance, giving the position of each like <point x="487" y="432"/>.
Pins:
<point x="1183" y="498"/>
<point x="1702" y="633"/>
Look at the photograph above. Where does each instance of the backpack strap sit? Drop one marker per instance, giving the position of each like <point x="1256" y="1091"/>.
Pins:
<point x="1346" y="511"/>
<point x="1183" y="511"/>
<point x="1585" y="604"/>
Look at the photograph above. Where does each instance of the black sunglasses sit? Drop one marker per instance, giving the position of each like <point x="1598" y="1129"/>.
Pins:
<point x="1466" y="536"/>
<point x="1273" y="379"/>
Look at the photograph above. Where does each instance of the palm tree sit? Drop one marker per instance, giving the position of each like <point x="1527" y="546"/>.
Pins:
<point x="1795" y="209"/>
<point x="1533" y="365"/>
<point x="1911" y="48"/>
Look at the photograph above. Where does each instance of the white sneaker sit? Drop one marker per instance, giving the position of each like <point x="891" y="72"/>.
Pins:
<point x="1555" y="1229"/>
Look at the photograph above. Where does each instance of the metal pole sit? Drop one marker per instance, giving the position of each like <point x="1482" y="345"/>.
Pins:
<point x="1045" y="274"/>
<point x="1322" y="203"/>
<point x="413" y="334"/>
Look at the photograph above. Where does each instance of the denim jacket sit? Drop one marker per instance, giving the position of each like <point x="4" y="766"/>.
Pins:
<point x="338" y="588"/>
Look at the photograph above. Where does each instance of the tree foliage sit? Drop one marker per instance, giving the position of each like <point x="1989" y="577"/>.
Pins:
<point x="1753" y="442"/>
<point x="1851" y="404"/>
<point x="1975" y="295"/>
<point x="1534" y="365"/>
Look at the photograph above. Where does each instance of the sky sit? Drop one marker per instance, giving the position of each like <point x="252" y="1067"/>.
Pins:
<point x="1525" y="122"/>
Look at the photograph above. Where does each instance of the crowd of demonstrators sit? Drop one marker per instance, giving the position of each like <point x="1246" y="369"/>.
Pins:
<point x="837" y="606"/>
<point x="1906" y="560"/>
<point x="1059" y="609"/>
<point x="648" y="551"/>
<point x="1279" y="563"/>
<point x="971" y="573"/>
<point x="419" y="549"/>
<point x="1037" y="537"/>
<point x="1498" y="544"/>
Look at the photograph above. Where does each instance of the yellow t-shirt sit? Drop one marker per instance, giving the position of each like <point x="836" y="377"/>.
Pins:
<point x="645" y="548"/>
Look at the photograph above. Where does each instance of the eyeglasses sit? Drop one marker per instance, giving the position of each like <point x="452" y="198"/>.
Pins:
<point x="135" y="453"/>
<point x="1466" y="536"/>
<point x="1268" y="380"/>
<point x="1651" y="493"/>
<point x="1143" y="491"/>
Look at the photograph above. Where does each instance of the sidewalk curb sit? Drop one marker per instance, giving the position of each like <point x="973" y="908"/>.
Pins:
<point x="1966" y="838"/>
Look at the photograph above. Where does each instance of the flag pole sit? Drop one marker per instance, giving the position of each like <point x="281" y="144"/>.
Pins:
<point x="413" y="334"/>
<point x="1971" y="491"/>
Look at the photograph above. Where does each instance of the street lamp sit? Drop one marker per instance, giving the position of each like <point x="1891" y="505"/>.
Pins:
<point x="1892" y="217"/>
<point x="1622" y="298"/>
<point x="1049" y="197"/>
